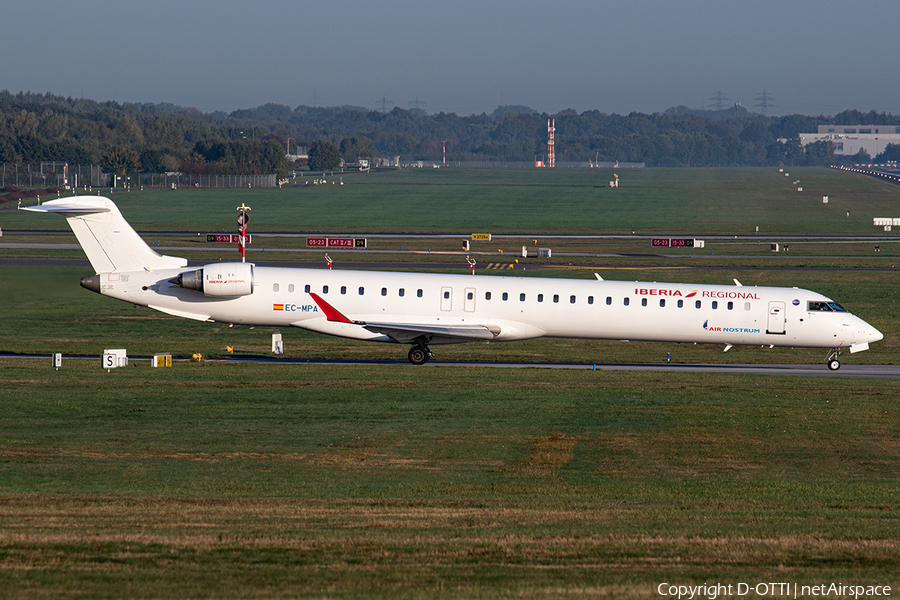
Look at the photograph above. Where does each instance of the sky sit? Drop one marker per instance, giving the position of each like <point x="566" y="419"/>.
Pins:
<point x="463" y="56"/>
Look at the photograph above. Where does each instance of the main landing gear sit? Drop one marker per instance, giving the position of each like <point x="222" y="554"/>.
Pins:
<point x="832" y="359"/>
<point x="419" y="354"/>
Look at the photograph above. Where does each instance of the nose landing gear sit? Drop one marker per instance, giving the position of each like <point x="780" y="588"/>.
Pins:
<point x="419" y="354"/>
<point x="832" y="359"/>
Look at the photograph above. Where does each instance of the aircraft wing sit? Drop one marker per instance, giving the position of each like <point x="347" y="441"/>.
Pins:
<point x="408" y="333"/>
<point x="180" y="313"/>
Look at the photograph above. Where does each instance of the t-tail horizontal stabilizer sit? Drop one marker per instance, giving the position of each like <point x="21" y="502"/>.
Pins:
<point x="107" y="239"/>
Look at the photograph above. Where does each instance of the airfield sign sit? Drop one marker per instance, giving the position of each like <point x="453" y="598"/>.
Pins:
<point x="326" y="242"/>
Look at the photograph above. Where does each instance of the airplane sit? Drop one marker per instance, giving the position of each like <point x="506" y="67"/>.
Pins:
<point x="424" y="309"/>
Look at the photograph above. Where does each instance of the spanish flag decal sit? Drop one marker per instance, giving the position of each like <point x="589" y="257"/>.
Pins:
<point x="278" y="307"/>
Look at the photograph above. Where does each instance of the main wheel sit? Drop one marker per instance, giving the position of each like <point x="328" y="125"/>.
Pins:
<point x="834" y="364"/>
<point x="419" y="355"/>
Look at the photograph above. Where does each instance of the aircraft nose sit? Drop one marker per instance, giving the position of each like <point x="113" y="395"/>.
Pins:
<point x="874" y="334"/>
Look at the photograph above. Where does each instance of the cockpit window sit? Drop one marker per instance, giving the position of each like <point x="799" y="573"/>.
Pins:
<point x="825" y="307"/>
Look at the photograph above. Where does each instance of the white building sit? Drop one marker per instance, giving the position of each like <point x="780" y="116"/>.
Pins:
<point x="850" y="139"/>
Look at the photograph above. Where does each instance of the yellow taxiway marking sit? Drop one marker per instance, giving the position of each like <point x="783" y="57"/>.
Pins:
<point x="608" y="268"/>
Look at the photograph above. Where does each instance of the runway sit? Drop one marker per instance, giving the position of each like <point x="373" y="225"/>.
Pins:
<point x="497" y="268"/>
<point x="796" y="370"/>
<point x="853" y="371"/>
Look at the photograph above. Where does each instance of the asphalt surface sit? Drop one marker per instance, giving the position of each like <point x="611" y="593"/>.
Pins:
<point x="515" y="235"/>
<point x="796" y="370"/>
<point x="496" y="267"/>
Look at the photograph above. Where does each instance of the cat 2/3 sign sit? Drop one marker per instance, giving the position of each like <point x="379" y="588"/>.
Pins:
<point x="676" y="243"/>
<point x="320" y="242"/>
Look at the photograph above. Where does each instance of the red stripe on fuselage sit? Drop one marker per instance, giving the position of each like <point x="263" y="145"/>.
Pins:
<point x="331" y="312"/>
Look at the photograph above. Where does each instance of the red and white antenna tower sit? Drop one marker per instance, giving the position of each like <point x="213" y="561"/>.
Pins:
<point x="551" y="143"/>
<point x="444" y="159"/>
<point x="242" y="220"/>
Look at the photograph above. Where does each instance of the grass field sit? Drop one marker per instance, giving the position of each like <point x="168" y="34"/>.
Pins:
<point x="664" y="201"/>
<point x="391" y="481"/>
<point x="384" y="482"/>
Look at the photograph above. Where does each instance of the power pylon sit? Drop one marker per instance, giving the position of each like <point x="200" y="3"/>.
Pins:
<point x="418" y="104"/>
<point x="763" y="101"/>
<point x="719" y="100"/>
<point x="383" y="103"/>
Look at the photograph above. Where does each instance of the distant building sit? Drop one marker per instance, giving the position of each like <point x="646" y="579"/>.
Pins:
<point x="386" y="161"/>
<point x="850" y="139"/>
<point x="300" y="153"/>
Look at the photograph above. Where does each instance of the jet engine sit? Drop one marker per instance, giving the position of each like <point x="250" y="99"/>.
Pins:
<point x="219" y="279"/>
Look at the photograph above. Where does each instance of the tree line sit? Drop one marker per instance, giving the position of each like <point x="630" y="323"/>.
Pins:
<point x="136" y="137"/>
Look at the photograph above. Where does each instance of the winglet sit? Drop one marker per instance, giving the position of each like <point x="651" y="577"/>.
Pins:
<point x="331" y="312"/>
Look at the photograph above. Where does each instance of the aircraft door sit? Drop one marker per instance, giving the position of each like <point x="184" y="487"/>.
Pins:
<point x="470" y="300"/>
<point x="446" y="298"/>
<point x="775" y="324"/>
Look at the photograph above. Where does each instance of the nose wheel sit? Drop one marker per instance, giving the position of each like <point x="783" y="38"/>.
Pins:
<point x="832" y="359"/>
<point x="419" y="354"/>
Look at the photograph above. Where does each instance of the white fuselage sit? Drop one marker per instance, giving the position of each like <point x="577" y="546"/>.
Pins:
<point x="429" y="308"/>
<point x="513" y="308"/>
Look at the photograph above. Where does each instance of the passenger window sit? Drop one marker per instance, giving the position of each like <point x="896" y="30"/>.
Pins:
<point x="715" y="305"/>
<point x="662" y="302"/>
<point x="540" y="297"/>
<point x="469" y="296"/>
<point x="306" y="288"/>
<point x="643" y="302"/>
<point x="274" y="287"/>
<point x="556" y="297"/>
<point x="571" y="299"/>
<point x="290" y="287"/>
<point x="697" y="304"/>
<point x="521" y="297"/>
<point x="384" y="291"/>
<point x="362" y="291"/>
<point x="609" y="300"/>
<point x="446" y="295"/>
<point x="487" y="295"/>
<point x="324" y="289"/>
<point x="505" y="296"/>
<point x="731" y="306"/>
<point x="590" y="299"/>
<point x="746" y="306"/>
<point x="343" y="289"/>
<point x="419" y="293"/>
<point x="401" y="292"/>
<point x="626" y="301"/>
<point x="681" y="304"/>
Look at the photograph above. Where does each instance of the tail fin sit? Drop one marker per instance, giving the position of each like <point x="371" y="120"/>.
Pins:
<point x="106" y="237"/>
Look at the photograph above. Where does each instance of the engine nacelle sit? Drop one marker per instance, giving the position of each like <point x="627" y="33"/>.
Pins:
<point x="219" y="279"/>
